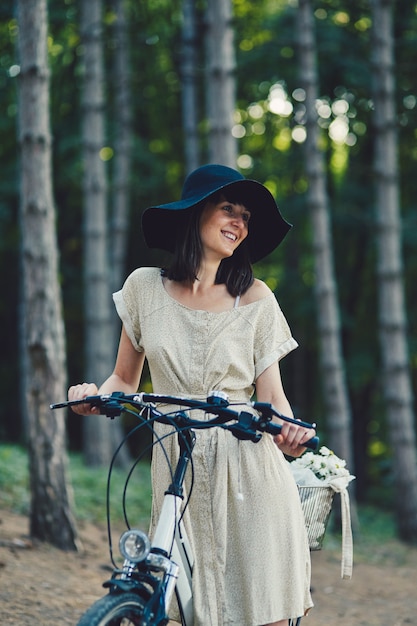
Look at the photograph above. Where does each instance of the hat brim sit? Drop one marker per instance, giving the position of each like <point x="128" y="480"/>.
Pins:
<point x="161" y="225"/>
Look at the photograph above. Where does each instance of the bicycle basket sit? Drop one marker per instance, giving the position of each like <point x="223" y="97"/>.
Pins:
<point x="316" y="503"/>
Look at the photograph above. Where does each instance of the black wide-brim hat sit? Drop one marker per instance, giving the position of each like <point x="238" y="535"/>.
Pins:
<point x="267" y="228"/>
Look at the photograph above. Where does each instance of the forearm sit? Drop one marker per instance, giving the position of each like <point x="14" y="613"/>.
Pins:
<point x="125" y="377"/>
<point x="269" y="389"/>
<point x="116" y="383"/>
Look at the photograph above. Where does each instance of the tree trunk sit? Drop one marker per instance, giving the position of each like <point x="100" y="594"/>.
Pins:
<point x="99" y="349"/>
<point x="189" y="85"/>
<point x="337" y="408"/>
<point x="44" y="375"/>
<point x="221" y="80"/>
<point x="123" y="133"/>
<point x="396" y="377"/>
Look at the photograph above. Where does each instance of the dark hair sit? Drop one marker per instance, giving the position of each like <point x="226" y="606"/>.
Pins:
<point x="234" y="271"/>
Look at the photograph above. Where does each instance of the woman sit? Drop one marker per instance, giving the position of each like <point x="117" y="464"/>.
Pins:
<point x="206" y="324"/>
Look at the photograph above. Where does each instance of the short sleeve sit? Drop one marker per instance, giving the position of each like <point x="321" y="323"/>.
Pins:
<point x="273" y="338"/>
<point x="127" y="303"/>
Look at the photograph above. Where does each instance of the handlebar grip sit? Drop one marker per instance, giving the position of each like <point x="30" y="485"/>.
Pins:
<point x="312" y="444"/>
<point x="275" y="429"/>
<point x="109" y="405"/>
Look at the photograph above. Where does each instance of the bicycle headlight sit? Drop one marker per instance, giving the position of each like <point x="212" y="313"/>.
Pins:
<point x="134" y="545"/>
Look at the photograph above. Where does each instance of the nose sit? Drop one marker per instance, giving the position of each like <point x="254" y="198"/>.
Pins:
<point x="239" y="219"/>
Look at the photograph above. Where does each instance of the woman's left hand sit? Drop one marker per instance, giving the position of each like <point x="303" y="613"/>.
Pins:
<point x="291" y="438"/>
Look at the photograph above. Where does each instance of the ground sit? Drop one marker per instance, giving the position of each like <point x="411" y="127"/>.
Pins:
<point x="45" y="586"/>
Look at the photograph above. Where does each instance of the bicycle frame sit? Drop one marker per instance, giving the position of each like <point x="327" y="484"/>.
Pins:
<point x="171" y="538"/>
<point x="170" y="553"/>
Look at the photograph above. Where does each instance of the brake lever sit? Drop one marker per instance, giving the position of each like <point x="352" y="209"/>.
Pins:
<point x="268" y="410"/>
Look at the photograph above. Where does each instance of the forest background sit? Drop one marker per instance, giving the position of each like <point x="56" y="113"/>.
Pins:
<point x="268" y="129"/>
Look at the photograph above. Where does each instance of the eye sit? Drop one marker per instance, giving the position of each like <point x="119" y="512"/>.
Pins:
<point x="230" y="209"/>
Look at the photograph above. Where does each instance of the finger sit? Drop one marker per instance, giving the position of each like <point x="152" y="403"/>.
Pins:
<point x="297" y="436"/>
<point x="80" y="391"/>
<point x="291" y="434"/>
<point x="279" y="439"/>
<point x="308" y="434"/>
<point x="85" y="409"/>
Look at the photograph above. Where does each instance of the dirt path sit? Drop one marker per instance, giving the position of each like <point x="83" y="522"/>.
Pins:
<point x="44" y="586"/>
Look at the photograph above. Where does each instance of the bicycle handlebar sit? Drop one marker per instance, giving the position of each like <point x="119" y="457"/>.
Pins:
<point x="246" y="424"/>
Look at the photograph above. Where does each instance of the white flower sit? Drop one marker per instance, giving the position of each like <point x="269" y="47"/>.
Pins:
<point x="325" y="451"/>
<point x="325" y="465"/>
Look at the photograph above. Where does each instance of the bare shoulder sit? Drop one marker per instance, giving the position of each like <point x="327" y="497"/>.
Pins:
<point x="257" y="291"/>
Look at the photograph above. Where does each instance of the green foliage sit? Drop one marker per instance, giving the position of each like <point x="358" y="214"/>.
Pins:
<point x="89" y="486"/>
<point x="14" y="479"/>
<point x="375" y="525"/>
<point x="374" y="538"/>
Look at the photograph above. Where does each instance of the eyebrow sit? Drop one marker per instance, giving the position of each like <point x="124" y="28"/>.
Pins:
<point x="238" y="202"/>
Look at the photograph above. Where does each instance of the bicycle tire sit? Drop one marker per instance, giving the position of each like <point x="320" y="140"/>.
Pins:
<point x="125" y="609"/>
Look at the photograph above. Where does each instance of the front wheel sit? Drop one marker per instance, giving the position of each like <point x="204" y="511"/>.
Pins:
<point x="125" y="609"/>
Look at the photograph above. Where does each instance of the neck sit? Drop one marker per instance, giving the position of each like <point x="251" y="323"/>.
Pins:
<point x="206" y="276"/>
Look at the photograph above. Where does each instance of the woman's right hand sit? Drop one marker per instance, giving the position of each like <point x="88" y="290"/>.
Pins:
<point x="78" y="392"/>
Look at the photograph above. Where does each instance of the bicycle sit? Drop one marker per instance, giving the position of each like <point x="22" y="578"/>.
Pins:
<point x="140" y="593"/>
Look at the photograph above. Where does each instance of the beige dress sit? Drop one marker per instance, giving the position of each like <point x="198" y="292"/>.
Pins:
<point x="244" y="519"/>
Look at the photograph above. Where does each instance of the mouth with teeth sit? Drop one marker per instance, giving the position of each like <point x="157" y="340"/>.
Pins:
<point x="229" y="235"/>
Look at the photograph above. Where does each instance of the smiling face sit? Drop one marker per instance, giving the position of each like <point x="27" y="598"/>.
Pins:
<point x="223" y="227"/>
